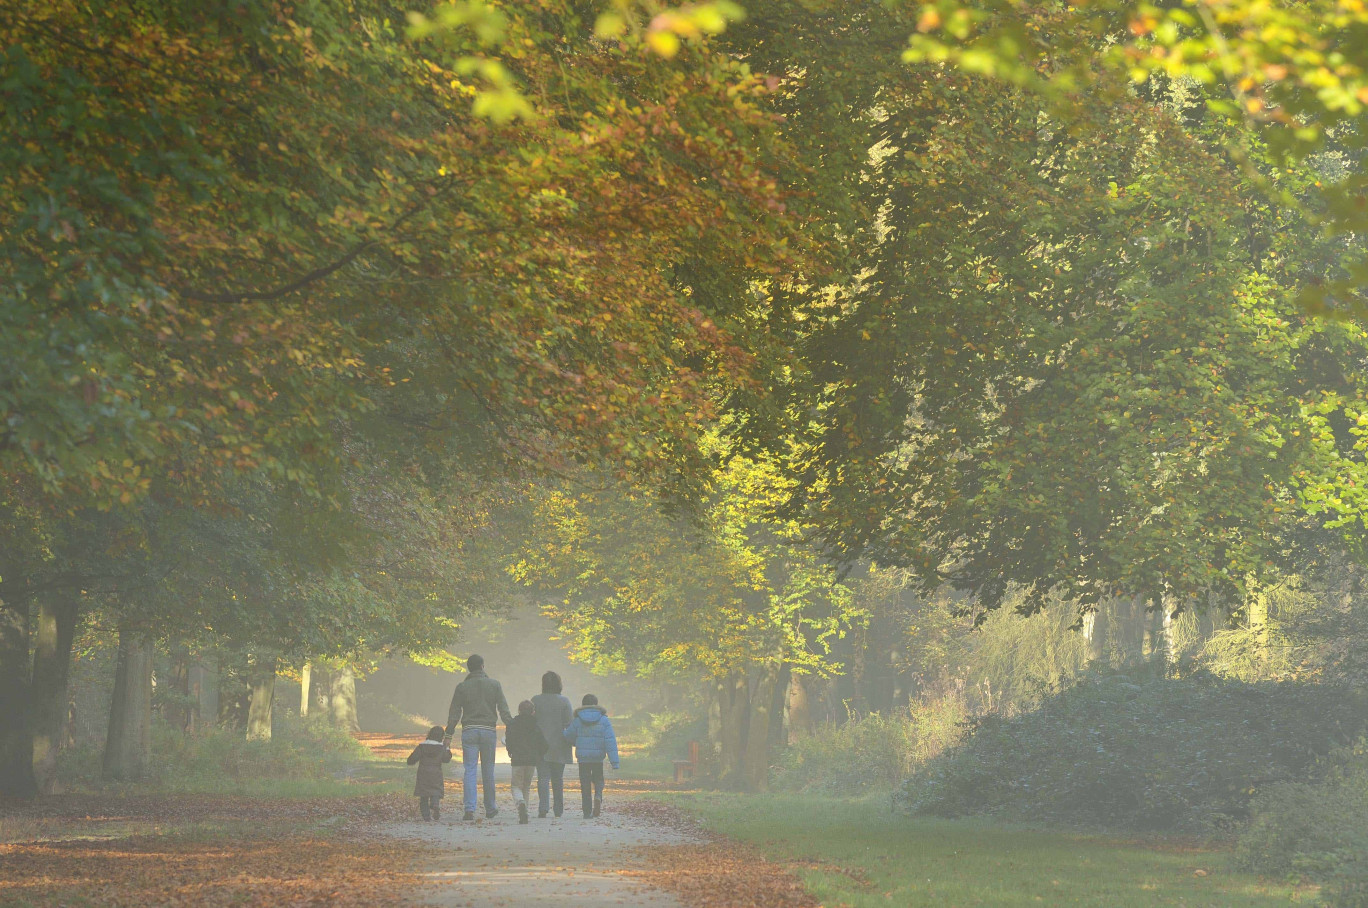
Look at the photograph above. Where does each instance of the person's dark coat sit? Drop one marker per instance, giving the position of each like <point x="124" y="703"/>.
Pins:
<point x="553" y="717"/>
<point x="524" y="742"/>
<point x="478" y="702"/>
<point x="430" y="755"/>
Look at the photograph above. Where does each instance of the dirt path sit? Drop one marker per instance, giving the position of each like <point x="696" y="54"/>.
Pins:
<point x="569" y="863"/>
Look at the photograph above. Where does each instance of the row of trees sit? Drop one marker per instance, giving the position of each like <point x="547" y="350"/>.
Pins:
<point x="1064" y="360"/>
<point x="289" y="324"/>
<point x="314" y="326"/>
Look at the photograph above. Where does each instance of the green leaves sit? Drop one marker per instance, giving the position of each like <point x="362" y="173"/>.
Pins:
<point x="668" y="29"/>
<point x="1295" y="74"/>
<point x="502" y="102"/>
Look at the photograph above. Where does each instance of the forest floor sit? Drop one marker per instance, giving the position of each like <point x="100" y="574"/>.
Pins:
<point x="654" y="848"/>
<point x="275" y="843"/>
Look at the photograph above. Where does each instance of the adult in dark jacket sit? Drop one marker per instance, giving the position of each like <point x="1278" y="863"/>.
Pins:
<point x="594" y="739"/>
<point x="553" y="717"/>
<point x="478" y="704"/>
<point x="430" y="786"/>
<point x="526" y="746"/>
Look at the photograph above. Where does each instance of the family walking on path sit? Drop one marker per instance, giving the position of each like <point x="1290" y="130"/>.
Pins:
<point x="544" y="736"/>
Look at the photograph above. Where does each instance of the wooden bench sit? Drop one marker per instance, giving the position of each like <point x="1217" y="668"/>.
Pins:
<point x="684" y="769"/>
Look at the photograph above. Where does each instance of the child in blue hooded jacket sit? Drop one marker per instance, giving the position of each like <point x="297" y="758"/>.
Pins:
<point x="592" y="735"/>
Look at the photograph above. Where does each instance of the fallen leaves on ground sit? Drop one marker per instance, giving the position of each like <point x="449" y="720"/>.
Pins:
<point x="718" y="873"/>
<point x="214" y="851"/>
<point x="86" y="810"/>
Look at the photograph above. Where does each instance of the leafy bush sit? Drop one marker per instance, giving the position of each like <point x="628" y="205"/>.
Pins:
<point x="667" y="735"/>
<point x="1150" y="754"/>
<point x="222" y="760"/>
<point x="299" y="750"/>
<point x="871" y="752"/>
<point x="1315" y="830"/>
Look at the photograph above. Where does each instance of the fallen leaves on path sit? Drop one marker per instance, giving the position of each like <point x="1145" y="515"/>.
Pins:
<point x="718" y="873"/>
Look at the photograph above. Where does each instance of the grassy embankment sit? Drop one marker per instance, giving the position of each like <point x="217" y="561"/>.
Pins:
<point x="857" y="852"/>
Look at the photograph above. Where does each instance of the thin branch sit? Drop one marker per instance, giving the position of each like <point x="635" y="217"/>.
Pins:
<point x="318" y="274"/>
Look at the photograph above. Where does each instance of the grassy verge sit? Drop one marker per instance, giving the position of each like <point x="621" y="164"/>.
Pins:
<point x="858" y="853"/>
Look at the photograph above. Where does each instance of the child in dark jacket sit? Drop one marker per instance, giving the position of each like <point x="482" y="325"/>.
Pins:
<point x="526" y="746"/>
<point x="593" y="737"/>
<point x="430" y="755"/>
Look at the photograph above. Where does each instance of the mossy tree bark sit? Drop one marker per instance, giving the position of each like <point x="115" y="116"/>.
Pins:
<point x="54" y="632"/>
<point x="800" y="723"/>
<point x="342" y="697"/>
<point x="16" y="732"/>
<point x="261" y="699"/>
<point x="755" y="764"/>
<point x="128" y="745"/>
<point x="734" y="703"/>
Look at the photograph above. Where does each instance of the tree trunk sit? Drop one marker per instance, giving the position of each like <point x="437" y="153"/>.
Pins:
<point x="1163" y="651"/>
<point x="305" y="676"/>
<point x="261" y="700"/>
<point x="734" y="700"/>
<point x="16" y="732"/>
<point x="177" y="709"/>
<point x="799" y="709"/>
<point x="342" y="693"/>
<point x="1167" y="649"/>
<point x="715" y="714"/>
<point x="204" y="689"/>
<point x="778" y="731"/>
<point x="321" y="682"/>
<point x="55" y="631"/>
<point x="1257" y="607"/>
<point x="1095" y="633"/>
<point x="128" y="747"/>
<point x="234" y="703"/>
<point x="756" y="761"/>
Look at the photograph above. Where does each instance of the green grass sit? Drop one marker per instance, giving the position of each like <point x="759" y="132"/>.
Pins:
<point x="858" y="853"/>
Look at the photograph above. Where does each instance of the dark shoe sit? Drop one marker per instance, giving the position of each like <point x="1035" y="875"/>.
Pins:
<point x="541" y="814"/>
<point x="522" y="813"/>
<point x="598" y="806"/>
<point x="436" y="814"/>
<point x="491" y="814"/>
<point x="469" y="815"/>
<point x="559" y="813"/>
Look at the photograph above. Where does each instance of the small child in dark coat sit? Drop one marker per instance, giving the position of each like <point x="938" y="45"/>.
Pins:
<point x="526" y="746"/>
<point x="430" y="755"/>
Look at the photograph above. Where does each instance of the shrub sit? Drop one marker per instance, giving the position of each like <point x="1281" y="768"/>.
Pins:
<point x="1315" y="830"/>
<point x="871" y="752"/>
<point x="666" y="735"/>
<point x="1150" y="755"/>
<point x="299" y="750"/>
<point x="222" y="760"/>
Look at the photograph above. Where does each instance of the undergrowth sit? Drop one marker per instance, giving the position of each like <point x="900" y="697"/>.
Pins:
<point x="1140" y="754"/>
<point x="871" y="753"/>
<point x="303" y="758"/>
<point x="1315" y="830"/>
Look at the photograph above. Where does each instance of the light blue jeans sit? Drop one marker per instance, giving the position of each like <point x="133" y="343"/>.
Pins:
<point x="478" y="744"/>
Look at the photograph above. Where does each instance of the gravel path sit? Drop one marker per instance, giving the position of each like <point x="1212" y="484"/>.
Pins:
<point x="568" y="863"/>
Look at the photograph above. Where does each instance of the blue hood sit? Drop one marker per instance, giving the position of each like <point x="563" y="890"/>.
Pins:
<point x="589" y="714"/>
